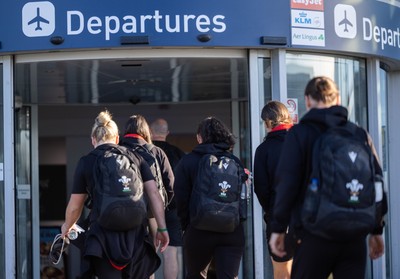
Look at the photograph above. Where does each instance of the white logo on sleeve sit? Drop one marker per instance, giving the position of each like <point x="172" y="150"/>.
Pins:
<point x="38" y="19"/>
<point x="345" y="21"/>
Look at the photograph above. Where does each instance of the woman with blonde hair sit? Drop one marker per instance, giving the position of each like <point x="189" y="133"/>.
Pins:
<point x="277" y="122"/>
<point x="113" y="254"/>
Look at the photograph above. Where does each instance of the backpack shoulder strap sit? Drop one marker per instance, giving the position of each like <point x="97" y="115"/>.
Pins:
<point x="243" y="174"/>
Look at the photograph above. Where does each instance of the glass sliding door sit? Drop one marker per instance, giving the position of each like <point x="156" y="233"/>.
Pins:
<point x="23" y="201"/>
<point x="65" y="95"/>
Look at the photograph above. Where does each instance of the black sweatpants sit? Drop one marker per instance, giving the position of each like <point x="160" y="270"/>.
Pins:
<point x="225" y="249"/>
<point x="316" y="258"/>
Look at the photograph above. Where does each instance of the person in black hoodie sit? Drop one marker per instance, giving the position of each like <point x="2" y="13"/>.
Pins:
<point x="316" y="257"/>
<point x="114" y="254"/>
<point x="201" y="246"/>
<point x="277" y="122"/>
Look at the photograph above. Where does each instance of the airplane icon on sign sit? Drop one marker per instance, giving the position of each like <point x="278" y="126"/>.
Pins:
<point x="38" y="19"/>
<point x="345" y="16"/>
<point x="346" y="22"/>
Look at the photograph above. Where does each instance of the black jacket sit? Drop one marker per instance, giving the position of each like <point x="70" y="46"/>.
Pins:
<point x="294" y="166"/>
<point x="265" y="163"/>
<point x="185" y="177"/>
<point x="173" y="153"/>
<point x="129" y="247"/>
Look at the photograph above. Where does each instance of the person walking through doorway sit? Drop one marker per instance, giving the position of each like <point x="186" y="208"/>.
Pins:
<point x="317" y="256"/>
<point x="159" y="132"/>
<point x="277" y="122"/>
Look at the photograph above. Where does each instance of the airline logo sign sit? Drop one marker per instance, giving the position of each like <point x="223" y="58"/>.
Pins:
<point x="316" y="5"/>
<point x="308" y="37"/>
<point x="345" y="21"/>
<point x="307" y="19"/>
<point x="308" y="22"/>
<point x="38" y="19"/>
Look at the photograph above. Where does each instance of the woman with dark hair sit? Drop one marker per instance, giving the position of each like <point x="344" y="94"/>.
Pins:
<point x="137" y="135"/>
<point x="202" y="246"/>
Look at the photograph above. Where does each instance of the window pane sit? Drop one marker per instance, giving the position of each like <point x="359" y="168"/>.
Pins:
<point x="348" y="73"/>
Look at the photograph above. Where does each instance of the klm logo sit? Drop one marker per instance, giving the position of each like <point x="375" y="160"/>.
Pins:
<point x="307" y="19"/>
<point x="303" y="19"/>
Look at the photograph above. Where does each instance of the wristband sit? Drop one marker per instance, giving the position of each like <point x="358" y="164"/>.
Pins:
<point x="162" y="230"/>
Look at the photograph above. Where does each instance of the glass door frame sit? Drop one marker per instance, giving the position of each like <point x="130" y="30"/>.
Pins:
<point x="9" y="178"/>
<point x="374" y="129"/>
<point x="278" y="92"/>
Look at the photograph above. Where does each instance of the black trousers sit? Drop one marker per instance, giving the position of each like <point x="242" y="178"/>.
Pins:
<point x="225" y="249"/>
<point x="316" y="258"/>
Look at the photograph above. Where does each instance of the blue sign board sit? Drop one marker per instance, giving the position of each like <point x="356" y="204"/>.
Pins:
<point x="371" y="27"/>
<point x="30" y="25"/>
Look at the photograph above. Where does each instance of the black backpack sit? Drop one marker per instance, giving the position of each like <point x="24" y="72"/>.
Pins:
<point x="216" y="203"/>
<point x="118" y="200"/>
<point x="145" y="153"/>
<point x="339" y="203"/>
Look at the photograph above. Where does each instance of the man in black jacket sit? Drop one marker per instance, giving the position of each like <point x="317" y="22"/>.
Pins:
<point x="316" y="257"/>
<point x="159" y="132"/>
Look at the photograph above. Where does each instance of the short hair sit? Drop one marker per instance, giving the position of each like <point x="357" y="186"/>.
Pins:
<point x="322" y="89"/>
<point x="104" y="128"/>
<point x="137" y="124"/>
<point x="213" y="130"/>
<point x="159" y="127"/>
<point x="275" y="113"/>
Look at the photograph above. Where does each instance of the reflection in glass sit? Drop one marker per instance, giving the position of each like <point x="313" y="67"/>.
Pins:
<point x="348" y="73"/>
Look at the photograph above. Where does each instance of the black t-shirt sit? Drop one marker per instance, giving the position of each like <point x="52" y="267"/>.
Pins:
<point x="83" y="177"/>
<point x="173" y="153"/>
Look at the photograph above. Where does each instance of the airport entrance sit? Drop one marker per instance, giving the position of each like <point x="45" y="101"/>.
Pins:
<point x="58" y="96"/>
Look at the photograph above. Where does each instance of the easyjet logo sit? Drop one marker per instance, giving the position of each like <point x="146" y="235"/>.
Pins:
<point x="316" y="5"/>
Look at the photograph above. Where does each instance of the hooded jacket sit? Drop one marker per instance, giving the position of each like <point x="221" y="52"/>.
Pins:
<point x="294" y="166"/>
<point x="265" y="162"/>
<point x="186" y="173"/>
